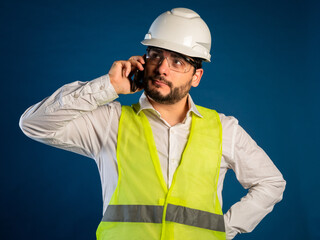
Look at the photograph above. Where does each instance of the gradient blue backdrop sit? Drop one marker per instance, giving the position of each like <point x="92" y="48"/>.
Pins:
<point x="264" y="72"/>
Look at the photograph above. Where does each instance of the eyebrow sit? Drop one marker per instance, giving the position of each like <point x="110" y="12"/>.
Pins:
<point x="156" y="50"/>
<point x="173" y="54"/>
<point x="177" y="55"/>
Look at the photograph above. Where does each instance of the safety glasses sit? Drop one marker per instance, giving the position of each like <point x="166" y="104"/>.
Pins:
<point x="176" y="61"/>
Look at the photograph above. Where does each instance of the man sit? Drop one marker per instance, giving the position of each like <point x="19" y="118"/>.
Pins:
<point x="162" y="161"/>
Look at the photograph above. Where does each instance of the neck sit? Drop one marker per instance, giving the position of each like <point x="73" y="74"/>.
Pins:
<point x="172" y="113"/>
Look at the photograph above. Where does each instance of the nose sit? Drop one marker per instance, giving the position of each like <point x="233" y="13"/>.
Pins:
<point x="164" y="67"/>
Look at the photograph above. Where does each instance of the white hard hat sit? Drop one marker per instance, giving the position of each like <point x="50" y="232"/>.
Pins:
<point x="181" y="30"/>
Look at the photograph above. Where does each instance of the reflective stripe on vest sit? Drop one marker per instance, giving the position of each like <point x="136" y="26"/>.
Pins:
<point x="133" y="213"/>
<point x="142" y="207"/>
<point x="194" y="217"/>
<point x="153" y="214"/>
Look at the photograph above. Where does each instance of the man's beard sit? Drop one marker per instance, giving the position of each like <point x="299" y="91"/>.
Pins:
<point x="175" y="94"/>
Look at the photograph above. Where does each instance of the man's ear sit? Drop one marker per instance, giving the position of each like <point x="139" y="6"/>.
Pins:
<point x="197" y="77"/>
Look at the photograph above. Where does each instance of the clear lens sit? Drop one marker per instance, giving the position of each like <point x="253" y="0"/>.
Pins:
<point x="176" y="62"/>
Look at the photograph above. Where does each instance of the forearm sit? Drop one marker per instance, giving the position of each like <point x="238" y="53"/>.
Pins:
<point x="50" y="120"/>
<point x="246" y="214"/>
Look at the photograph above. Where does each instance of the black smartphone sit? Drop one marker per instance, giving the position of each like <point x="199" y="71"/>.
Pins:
<point x="137" y="81"/>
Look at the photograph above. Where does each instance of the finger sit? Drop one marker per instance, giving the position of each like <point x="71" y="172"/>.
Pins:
<point x="138" y="58"/>
<point x="141" y="59"/>
<point x="140" y="66"/>
<point x="136" y="64"/>
<point x="126" y="68"/>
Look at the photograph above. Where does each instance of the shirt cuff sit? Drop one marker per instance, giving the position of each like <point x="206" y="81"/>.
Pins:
<point x="107" y="92"/>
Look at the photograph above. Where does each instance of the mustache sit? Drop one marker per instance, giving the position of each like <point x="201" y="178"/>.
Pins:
<point x="160" y="79"/>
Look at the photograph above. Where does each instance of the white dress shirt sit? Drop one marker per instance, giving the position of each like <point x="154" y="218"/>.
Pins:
<point x="83" y="117"/>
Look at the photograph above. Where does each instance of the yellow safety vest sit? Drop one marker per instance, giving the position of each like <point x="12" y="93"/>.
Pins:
<point x="142" y="207"/>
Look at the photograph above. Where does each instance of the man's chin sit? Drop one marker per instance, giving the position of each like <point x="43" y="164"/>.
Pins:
<point x="156" y="96"/>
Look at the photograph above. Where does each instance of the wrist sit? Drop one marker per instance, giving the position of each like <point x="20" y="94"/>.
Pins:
<point x="114" y="85"/>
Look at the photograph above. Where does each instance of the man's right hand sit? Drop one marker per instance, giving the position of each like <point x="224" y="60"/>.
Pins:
<point x="119" y="73"/>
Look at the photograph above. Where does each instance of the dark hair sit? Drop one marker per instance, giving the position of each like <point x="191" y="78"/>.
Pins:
<point x="197" y="63"/>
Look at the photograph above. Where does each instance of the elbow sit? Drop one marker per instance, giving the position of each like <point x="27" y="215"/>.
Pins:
<point x="27" y="127"/>
<point x="31" y="125"/>
<point x="276" y="189"/>
<point x="281" y="186"/>
<point x="36" y="124"/>
<point x="33" y="129"/>
<point x="268" y="193"/>
<point x="23" y="124"/>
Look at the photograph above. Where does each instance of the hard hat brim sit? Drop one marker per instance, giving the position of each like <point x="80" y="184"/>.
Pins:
<point x="175" y="48"/>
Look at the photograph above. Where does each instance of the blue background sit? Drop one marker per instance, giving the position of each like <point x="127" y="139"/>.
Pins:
<point x="264" y="72"/>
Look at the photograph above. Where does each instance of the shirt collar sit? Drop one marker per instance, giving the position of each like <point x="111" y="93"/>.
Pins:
<point x="145" y="104"/>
